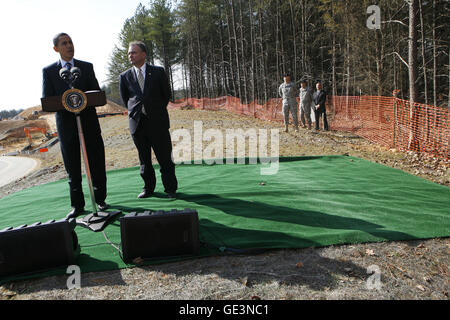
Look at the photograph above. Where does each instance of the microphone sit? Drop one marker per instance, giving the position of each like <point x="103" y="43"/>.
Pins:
<point x="76" y="72"/>
<point x="64" y="73"/>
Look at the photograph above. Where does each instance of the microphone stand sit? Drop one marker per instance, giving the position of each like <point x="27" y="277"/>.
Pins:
<point x="97" y="220"/>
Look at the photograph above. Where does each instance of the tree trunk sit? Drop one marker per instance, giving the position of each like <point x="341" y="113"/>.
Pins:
<point x="199" y="51"/>
<point x="434" y="56"/>
<point x="379" y="61"/>
<point x="277" y="41"/>
<point x="294" y="40"/>
<point x="412" y="58"/>
<point x="230" y="50"/>
<point x="243" y="62"/>
<point x="283" y="58"/>
<point x="263" y="53"/>
<point x="238" y="64"/>
<point x="184" y="73"/>
<point x="224" y="74"/>
<point x="347" y="86"/>
<point x="253" y="65"/>
<point x="333" y="57"/>
<point x="304" y="35"/>
<point x="424" y="61"/>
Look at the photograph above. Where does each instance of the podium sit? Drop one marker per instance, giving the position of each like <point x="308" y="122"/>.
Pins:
<point x="75" y="101"/>
<point x="53" y="104"/>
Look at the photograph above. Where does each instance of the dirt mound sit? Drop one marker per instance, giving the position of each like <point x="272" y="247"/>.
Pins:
<point x="110" y="107"/>
<point x="51" y="121"/>
<point x="14" y="128"/>
<point x="30" y="113"/>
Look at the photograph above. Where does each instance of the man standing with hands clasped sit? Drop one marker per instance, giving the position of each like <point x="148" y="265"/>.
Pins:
<point x="145" y="90"/>
<point x="319" y="98"/>
<point x="66" y="124"/>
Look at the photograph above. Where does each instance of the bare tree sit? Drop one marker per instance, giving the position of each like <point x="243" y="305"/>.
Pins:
<point x="243" y="58"/>
<point x="412" y="63"/>
<point x="424" y="60"/>
<point x="252" y="43"/>
<point x="263" y="54"/>
<point x="294" y="36"/>
<point x="238" y="62"/>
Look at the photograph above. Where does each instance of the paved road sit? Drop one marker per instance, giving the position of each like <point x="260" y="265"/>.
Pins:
<point x="13" y="168"/>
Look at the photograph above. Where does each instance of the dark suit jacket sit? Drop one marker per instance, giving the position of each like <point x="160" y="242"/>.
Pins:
<point x="53" y="85"/>
<point x="320" y="99"/>
<point x="154" y="99"/>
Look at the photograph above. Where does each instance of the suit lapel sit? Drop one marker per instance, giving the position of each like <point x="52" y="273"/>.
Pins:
<point x="77" y="64"/>
<point x="135" y="83"/>
<point x="59" y="82"/>
<point x="134" y="80"/>
<point x="148" y="74"/>
<point x="57" y="68"/>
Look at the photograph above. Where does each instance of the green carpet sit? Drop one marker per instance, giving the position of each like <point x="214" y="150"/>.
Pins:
<point x="310" y="202"/>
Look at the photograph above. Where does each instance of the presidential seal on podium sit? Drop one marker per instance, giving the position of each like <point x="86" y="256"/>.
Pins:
<point x="74" y="100"/>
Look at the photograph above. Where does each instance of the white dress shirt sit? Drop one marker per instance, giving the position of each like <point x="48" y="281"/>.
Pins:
<point x="141" y="69"/>
<point x="63" y="63"/>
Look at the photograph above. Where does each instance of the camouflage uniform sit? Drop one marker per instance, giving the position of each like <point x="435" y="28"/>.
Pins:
<point x="288" y="92"/>
<point x="305" y="106"/>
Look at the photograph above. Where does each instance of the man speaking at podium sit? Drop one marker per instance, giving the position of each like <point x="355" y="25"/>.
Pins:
<point x="54" y="85"/>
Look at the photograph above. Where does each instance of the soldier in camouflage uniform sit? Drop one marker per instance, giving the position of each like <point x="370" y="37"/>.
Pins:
<point x="305" y="104"/>
<point x="288" y="91"/>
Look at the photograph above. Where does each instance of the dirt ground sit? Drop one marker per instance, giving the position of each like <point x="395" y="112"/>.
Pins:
<point x="406" y="269"/>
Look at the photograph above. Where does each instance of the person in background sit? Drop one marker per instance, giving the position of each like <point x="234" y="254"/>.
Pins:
<point x="288" y="92"/>
<point x="319" y="98"/>
<point x="305" y="104"/>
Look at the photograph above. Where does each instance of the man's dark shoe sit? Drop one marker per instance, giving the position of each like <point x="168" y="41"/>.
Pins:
<point x="145" y="194"/>
<point x="75" y="212"/>
<point x="103" y="206"/>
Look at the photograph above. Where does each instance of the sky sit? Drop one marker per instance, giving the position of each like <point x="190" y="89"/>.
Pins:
<point x="28" y="27"/>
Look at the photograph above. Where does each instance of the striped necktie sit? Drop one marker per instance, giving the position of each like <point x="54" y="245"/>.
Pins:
<point x="68" y="66"/>
<point x="141" y="80"/>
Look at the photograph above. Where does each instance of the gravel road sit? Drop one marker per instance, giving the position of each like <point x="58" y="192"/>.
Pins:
<point x="13" y="168"/>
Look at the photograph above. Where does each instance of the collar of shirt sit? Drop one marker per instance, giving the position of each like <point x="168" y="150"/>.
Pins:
<point x="142" y="69"/>
<point x="63" y="62"/>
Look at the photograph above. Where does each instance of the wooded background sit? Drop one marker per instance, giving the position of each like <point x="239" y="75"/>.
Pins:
<point x="243" y="47"/>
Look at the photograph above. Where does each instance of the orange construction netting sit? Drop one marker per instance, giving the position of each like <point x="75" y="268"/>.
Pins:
<point x="387" y="121"/>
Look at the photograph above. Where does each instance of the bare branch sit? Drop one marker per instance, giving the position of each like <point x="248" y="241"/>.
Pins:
<point x="400" y="57"/>
<point x="396" y="21"/>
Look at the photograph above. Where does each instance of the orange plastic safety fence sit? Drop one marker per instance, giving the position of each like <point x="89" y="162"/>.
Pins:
<point x="387" y="121"/>
<point x="392" y="122"/>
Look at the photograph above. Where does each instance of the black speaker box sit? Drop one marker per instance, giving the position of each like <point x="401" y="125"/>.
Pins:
<point x="38" y="247"/>
<point x="159" y="234"/>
